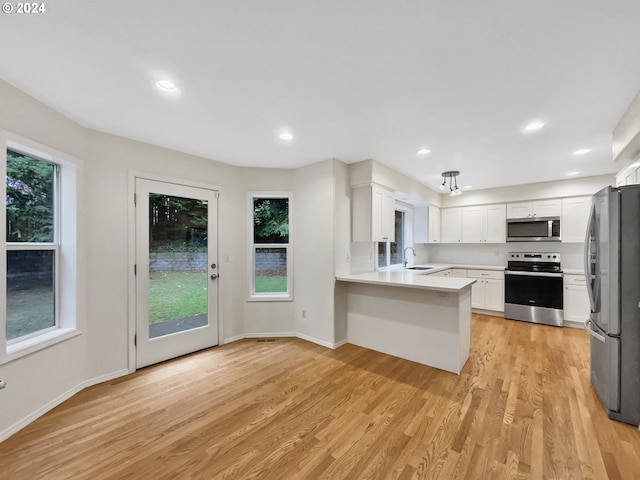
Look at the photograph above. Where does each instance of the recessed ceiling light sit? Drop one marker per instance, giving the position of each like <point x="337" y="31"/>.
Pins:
<point x="582" y="151"/>
<point x="423" y="151"/>
<point x="533" y="126"/>
<point x="167" y="86"/>
<point x="570" y="174"/>
<point x="285" y="136"/>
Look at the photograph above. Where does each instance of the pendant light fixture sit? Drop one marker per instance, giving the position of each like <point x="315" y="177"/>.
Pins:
<point x="452" y="175"/>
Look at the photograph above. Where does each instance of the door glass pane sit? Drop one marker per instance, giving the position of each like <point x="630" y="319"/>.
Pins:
<point x="178" y="281"/>
<point x="271" y="270"/>
<point x="30" y="291"/>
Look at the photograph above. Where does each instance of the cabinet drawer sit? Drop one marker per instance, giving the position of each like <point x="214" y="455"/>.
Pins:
<point x="570" y="279"/>
<point x="497" y="274"/>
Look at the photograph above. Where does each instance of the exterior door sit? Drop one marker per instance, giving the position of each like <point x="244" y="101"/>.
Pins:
<point x="176" y="270"/>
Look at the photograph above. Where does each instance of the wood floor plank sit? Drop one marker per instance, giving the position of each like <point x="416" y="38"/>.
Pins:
<point x="523" y="407"/>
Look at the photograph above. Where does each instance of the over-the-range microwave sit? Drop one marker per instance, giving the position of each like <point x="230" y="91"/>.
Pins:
<point x="532" y="229"/>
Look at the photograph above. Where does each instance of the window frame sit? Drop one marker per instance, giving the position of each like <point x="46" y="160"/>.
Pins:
<point x="65" y="245"/>
<point x="407" y="231"/>
<point x="252" y="247"/>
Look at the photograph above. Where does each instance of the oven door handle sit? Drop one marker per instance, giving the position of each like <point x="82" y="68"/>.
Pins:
<point x="533" y="274"/>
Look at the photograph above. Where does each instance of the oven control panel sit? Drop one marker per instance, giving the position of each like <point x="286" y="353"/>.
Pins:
<point x="533" y="257"/>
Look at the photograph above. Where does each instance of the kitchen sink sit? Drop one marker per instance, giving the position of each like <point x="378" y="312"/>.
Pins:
<point x="419" y="268"/>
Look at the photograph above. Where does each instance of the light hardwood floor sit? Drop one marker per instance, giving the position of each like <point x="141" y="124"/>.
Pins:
<point x="523" y="408"/>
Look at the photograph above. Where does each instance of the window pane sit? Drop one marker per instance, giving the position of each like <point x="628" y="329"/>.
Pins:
<point x="30" y="291"/>
<point x="30" y="202"/>
<point x="382" y="254"/>
<point x="178" y="279"/>
<point x="271" y="220"/>
<point x="397" y="247"/>
<point x="271" y="270"/>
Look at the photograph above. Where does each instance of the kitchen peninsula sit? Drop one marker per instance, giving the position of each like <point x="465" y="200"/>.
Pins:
<point x="409" y="314"/>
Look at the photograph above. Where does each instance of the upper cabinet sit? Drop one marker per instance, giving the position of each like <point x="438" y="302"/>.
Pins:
<point x="538" y="208"/>
<point x="575" y="216"/>
<point x="451" y="225"/>
<point x="628" y="176"/>
<point x="434" y="224"/>
<point x="373" y="214"/>
<point x="484" y="224"/>
<point x="426" y="224"/>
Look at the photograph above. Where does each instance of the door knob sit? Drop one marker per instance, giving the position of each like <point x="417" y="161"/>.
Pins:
<point x="214" y="276"/>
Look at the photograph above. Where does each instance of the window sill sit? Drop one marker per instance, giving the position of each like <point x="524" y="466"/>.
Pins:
<point x="271" y="298"/>
<point x="40" y="342"/>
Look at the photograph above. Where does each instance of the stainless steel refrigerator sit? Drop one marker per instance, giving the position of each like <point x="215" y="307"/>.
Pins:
<point x="612" y="267"/>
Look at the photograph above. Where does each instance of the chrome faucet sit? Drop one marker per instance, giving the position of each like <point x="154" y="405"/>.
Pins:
<point x="404" y="256"/>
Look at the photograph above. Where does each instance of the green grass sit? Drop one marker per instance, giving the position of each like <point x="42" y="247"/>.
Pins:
<point x="29" y="310"/>
<point x="271" y="284"/>
<point x="174" y="295"/>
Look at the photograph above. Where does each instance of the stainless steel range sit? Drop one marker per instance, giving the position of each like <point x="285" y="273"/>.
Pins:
<point x="533" y="289"/>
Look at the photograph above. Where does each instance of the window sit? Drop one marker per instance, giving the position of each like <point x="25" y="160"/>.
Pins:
<point x="32" y="251"/>
<point x="390" y="253"/>
<point x="37" y="258"/>
<point x="270" y="247"/>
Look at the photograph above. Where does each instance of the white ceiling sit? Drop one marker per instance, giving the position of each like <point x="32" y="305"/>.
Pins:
<point x="351" y="79"/>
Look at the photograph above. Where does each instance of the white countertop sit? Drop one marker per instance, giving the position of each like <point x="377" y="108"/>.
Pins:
<point x="401" y="277"/>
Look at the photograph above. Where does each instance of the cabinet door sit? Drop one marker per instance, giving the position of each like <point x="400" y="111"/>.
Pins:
<point x="519" y="210"/>
<point x="495" y="227"/>
<point x="434" y="224"/>
<point x="478" y="294"/>
<point x="576" y="303"/>
<point x="473" y="224"/>
<point x="575" y="215"/>
<point x="421" y="224"/>
<point x="494" y="294"/>
<point x="546" y="208"/>
<point x="382" y="215"/>
<point x="451" y="225"/>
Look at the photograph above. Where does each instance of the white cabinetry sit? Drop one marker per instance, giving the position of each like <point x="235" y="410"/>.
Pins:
<point x="426" y="224"/>
<point x="443" y="273"/>
<point x="373" y="214"/>
<point x="459" y="272"/>
<point x="575" y="215"/>
<point x="451" y="224"/>
<point x="488" y="291"/>
<point x="484" y="224"/>
<point x="539" y="208"/>
<point x="576" y="299"/>
<point x="628" y="176"/>
<point x="434" y="224"/>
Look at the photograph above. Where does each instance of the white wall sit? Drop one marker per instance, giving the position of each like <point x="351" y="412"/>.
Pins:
<point x="36" y="380"/>
<point x="262" y="317"/>
<point x="314" y="251"/>
<point x="39" y="381"/>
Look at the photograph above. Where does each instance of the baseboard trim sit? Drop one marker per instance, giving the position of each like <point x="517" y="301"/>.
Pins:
<point x="572" y="324"/>
<point x="20" y="424"/>
<point x="493" y="313"/>
<point x="301" y="336"/>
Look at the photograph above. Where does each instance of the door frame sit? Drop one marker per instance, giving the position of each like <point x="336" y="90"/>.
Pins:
<point x="131" y="255"/>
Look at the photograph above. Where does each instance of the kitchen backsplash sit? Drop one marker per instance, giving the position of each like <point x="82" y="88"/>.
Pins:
<point x="496" y="253"/>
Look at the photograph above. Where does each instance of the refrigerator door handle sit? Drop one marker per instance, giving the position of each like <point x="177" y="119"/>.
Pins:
<point x="587" y="257"/>
<point x="588" y="327"/>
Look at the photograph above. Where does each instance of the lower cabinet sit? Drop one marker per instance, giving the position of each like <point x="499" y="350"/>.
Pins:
<point x="488" y="291"/>
<point x="576" y="299"/>
<point x="443" y="273"/>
